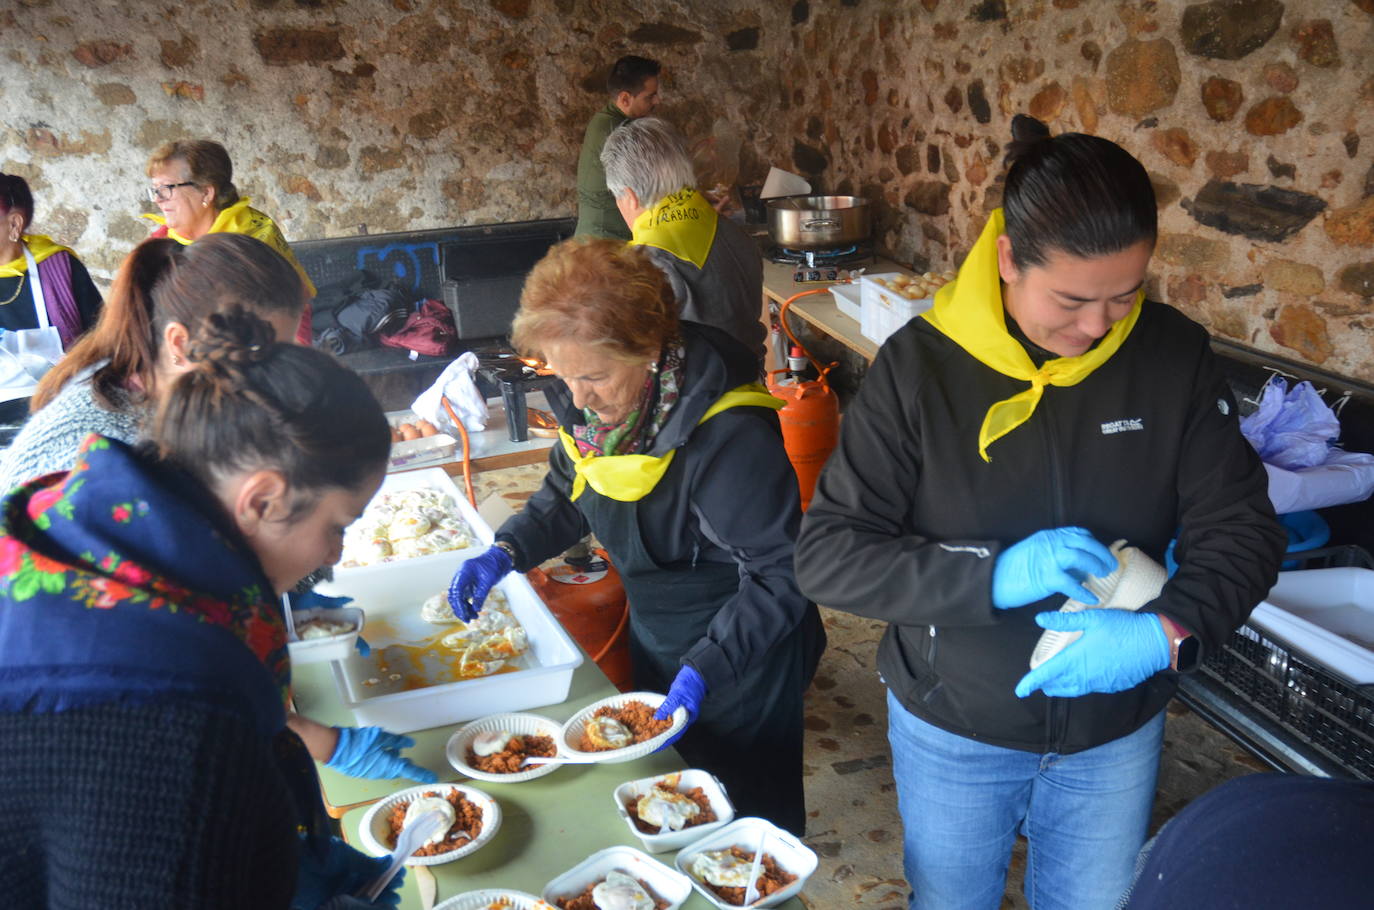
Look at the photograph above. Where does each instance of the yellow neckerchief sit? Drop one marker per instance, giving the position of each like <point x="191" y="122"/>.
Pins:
<point x="629" y="478"/>
<point x="682" y="223"/>
<point x="40" y="246"/>
<point x="969" y="311"/>
<point x="241" y="218"/>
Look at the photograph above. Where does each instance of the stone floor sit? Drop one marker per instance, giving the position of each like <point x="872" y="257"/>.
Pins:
<point x="854" y="826"/>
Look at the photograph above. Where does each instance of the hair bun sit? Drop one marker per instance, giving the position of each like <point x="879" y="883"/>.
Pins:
<point x="232" y="337"/>
<point x="1026" y="133"/>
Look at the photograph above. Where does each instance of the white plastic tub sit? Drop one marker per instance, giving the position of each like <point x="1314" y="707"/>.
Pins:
<point x="668" y="885"/>
<point x="884" y="311"/>
<point x="334" y="647"/>
<point x="543" y="675"/>
<point x="1327" y="613"/>
<point x="849" y="299"/>
<point x="365" y="583"/>
<point x="685" y="780"/>
<point x="790" y="853"/>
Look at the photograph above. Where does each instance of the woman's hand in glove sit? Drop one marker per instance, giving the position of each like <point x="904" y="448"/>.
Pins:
<point x="474" y="580"/>
<point x="1053" y="561"/>
<point x="373" y="752"/>
<point x="331" y="881"/>
<point x="687" y="691"/>
<point x="1118" y="650"/>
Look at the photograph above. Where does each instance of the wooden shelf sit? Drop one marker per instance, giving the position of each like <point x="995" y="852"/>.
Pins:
<point x="820" y="310"/>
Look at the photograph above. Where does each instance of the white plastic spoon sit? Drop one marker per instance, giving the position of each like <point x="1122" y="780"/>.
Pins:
<point x="412" y="838"/>
<point x="557" y="760"/>
<point x="751" y="890"/>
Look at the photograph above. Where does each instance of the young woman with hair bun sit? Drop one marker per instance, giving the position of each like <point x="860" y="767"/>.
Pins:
<point x="1042" y="409"/>
<point x="143" y="661"/>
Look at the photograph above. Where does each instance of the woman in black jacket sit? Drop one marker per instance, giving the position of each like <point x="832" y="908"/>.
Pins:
<point x="1041" y="409"/>
<point x="671" y="454"/>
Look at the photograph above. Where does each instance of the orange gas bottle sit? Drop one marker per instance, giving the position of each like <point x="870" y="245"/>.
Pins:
<point x="810" y="415"/>
<point x="586" y="596"/>
<point x="810" y="426"/>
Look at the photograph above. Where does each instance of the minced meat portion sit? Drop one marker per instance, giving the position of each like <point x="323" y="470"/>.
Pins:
<point x="467" y="824"/>
<point x="636" y="716"/>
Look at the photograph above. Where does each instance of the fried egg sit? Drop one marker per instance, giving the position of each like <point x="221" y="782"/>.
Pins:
<point x="723" y="869"/>
<point x="424" y="804"/>
<point x="667" y="809"/>
<point x="621" y="892"/>
<point x="608" y="733"/>
<point x="490" y="743"/>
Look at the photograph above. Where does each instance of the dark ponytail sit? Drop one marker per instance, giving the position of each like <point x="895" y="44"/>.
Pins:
<point x="1079" y="194"/>
<point x="164" y="281"/>
<point x="250" y="402"/>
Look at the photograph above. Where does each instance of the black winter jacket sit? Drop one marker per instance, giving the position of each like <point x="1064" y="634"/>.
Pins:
<point x="908" y="520"/>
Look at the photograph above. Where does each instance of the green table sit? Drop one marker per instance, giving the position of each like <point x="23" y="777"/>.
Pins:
<point x="548" y="825"/>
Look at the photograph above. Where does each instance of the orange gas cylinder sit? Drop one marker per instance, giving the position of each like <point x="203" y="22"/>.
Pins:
<point x="589" y="600"/>
<point x="810" y="427"/>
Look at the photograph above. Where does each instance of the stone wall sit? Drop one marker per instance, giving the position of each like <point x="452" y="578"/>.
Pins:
<point x="396" y="115"/>
<point x="1255" y="117"/>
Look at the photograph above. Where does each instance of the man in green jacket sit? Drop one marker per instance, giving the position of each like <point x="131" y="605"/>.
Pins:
<point x="633" y="87"/>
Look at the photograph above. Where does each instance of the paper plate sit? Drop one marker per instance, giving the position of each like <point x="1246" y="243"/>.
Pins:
<point x="494" y="899"/>
<point x="374" y="829"/>
<point x="519" y="724"/>
<point x="571" y="734"/>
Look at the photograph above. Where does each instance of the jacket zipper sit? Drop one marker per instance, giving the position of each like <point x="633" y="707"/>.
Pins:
<point x="1056" y="721"/>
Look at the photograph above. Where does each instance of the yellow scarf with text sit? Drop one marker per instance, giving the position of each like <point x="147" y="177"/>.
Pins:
<point x="629" y="478"/>
<point x="969" y="311"/>
<point x="40" y="246"/>
<point x="682" y="223"/>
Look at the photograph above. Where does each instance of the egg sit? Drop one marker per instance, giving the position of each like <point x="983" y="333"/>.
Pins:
<point x="489" y="743"/>
<point x="425" y="804"/>
<point x="621" y="892"/>
<point x="409" y="431"/>
<point x="437" y="610"/>
<point x="666" y="809"/>
<point x="723" y="869"/>
<point x="426" y="428"/>
<point x="395" y="434"/>
<point x="608" y="733"/>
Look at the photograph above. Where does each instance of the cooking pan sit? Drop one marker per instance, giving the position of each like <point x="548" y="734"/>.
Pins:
<point x="818" y="222"/>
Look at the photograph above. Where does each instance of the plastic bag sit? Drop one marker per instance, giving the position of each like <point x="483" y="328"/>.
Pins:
<point x="1292" y="428"/>
<point x="455" y="383"/>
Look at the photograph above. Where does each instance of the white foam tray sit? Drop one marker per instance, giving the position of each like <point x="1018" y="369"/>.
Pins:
<point x="671" y="886"/>
<point x="687" y="780"/>
<point x="790" y="853"/>
<point x="366" y="583"/>
<point x="1328" y="614"/>
<point x="393" y="615"/>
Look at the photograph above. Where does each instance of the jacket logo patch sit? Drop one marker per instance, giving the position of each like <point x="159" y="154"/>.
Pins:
<point x="980" y="552"/>
<point x="1122" y="426"/>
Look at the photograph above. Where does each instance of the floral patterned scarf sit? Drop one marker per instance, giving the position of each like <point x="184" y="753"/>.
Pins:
<point x="637" y="430"/>
<point x="121" y="580"/>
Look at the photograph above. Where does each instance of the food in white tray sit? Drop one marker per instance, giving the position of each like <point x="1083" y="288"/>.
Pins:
<point x="666" y="809"/>
<point x="722" y="868"/>
<point x="424" y="804"/>
<point x="403" y="524"/>
<point x="917" y="287"/>
<point x="320" y="627"/>
<point x="621" y="892"/>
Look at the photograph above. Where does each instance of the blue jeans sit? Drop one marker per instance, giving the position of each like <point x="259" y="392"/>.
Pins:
<point x="962" y="802"/>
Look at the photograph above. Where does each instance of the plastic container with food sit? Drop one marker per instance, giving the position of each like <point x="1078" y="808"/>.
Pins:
<point x="791" y="856"/>
<point x="584" y="723"/>
<point x="377" y="831"/>
<point x="324" y="633"/>
<point x="681" y="782"/>
<point x="662" y="882"/>
<point x="519" y="725"/>
<point x="421" y="686"/>
<point x="464" y="535"/>
<point x="494" y="899"/>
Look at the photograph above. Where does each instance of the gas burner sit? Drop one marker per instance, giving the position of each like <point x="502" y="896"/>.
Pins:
<point x="822" y="265"/>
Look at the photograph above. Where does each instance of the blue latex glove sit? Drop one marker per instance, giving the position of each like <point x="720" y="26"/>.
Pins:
<point x="312" y="599"/>
<point x="373" y="752"/>
<point x="474" y="580"/>
<point x="687" y="691"/>
<point x="343" y="872"/>
<point x="1119" y="649"/>
<point x="1053" y="561"/>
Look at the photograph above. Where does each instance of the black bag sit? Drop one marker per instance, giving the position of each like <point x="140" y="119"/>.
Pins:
<point x="349" y="314"/>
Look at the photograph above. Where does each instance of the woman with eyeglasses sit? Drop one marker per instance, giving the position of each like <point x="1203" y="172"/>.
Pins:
<point x="47" y="299"/>
<point x="192" y="184"/>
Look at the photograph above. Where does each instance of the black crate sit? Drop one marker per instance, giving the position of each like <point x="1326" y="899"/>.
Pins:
<point x="1318" y="706"/>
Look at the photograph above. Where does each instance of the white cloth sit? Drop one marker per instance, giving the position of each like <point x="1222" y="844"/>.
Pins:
<point x="455" y="383"/>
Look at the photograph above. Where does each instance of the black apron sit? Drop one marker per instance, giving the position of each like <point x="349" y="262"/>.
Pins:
<point x="749" y="735"/>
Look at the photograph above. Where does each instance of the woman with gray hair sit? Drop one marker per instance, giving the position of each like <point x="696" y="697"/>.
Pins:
<point x="713" y="267"/>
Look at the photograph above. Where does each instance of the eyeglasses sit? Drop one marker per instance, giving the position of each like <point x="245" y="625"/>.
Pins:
<point x="161" y="192"/>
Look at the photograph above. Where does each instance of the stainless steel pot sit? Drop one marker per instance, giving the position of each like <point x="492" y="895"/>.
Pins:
<point x="818" y="222"/>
